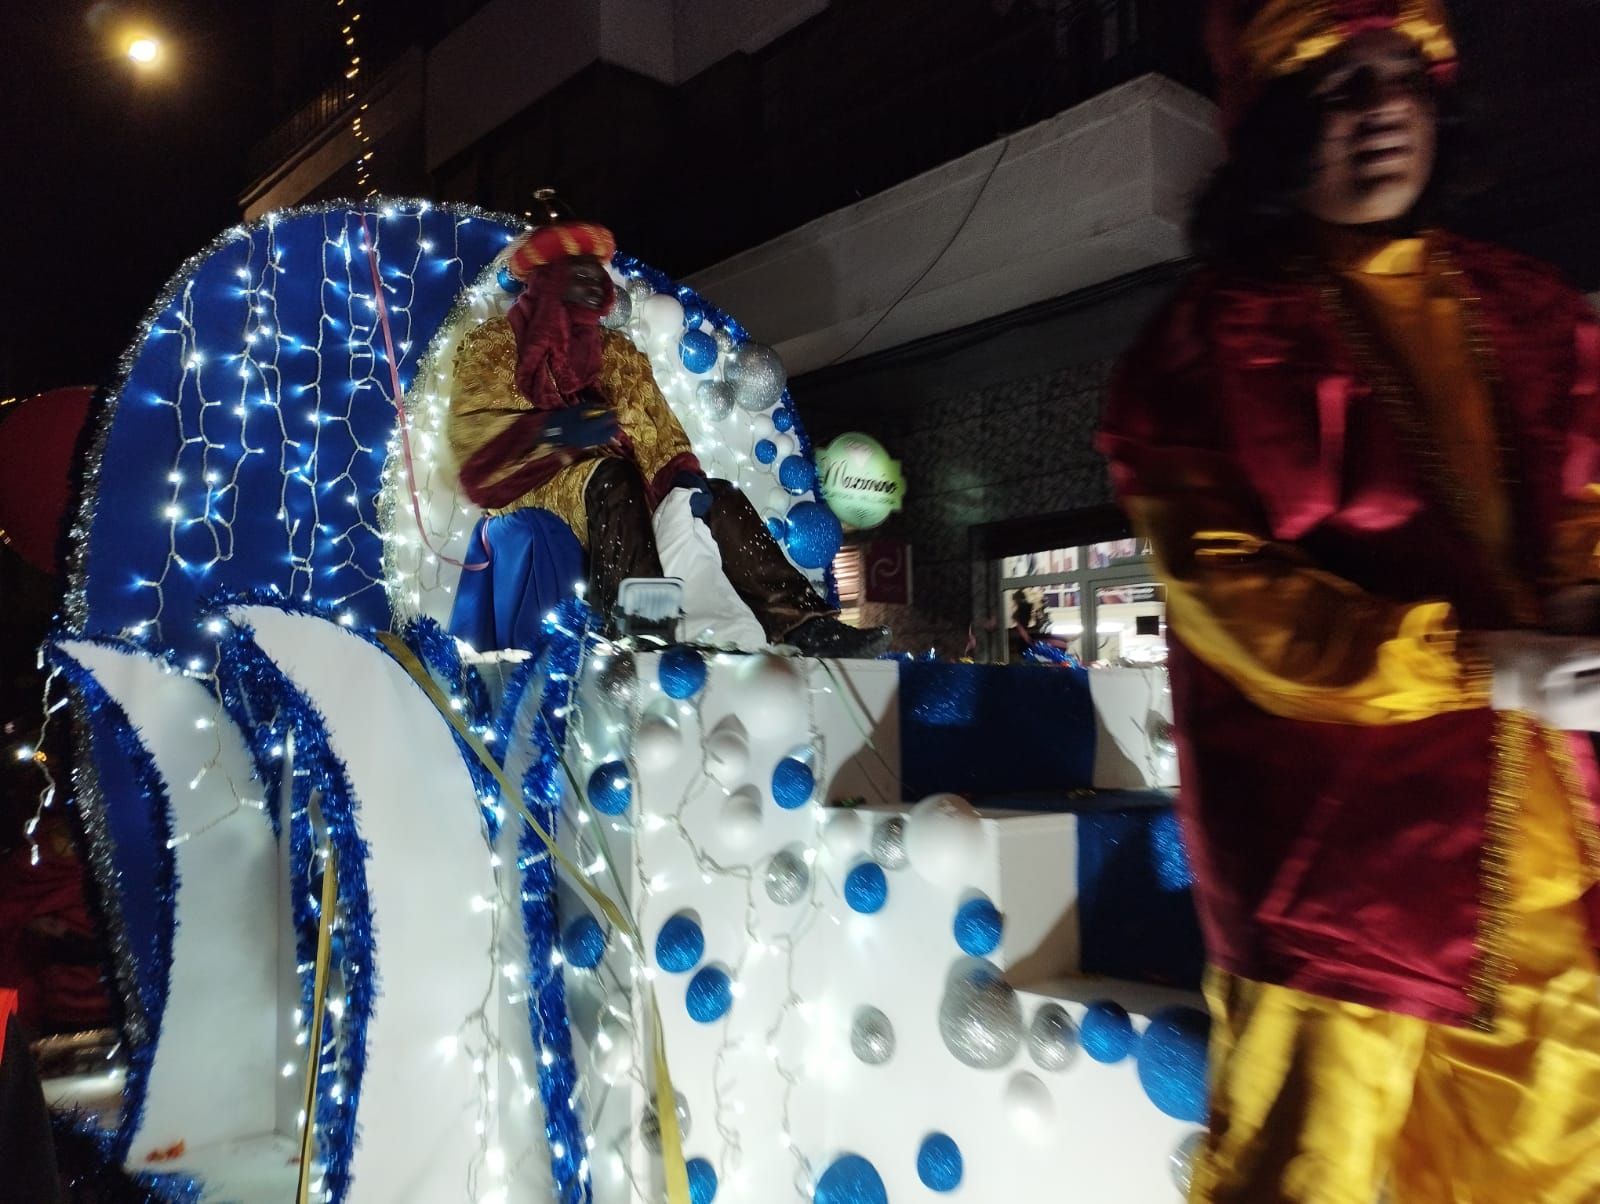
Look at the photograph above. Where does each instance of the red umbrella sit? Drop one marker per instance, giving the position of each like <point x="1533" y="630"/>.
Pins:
<point x="38" y="436"/>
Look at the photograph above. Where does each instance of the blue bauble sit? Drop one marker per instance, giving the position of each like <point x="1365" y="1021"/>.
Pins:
<point x="866" y="888"/>
<point x="702" y="1181"/>
<point x="850" y="1180"/>
<point x="978" y="925"/>
<point x="814" y="535"/>
<point x="795" y="474"/>
<point x="680" y="945"/>
<point x="697" y="350"/>
<point x="766" y="451"/>
<point x="583" y="943"/>
<point x="1172" y="1062"/>
<point x="1107" y="1031"/>
<point x="939" y="1162"/>
<point x="682" y="672"/>
<point x="610" y="788"/>
<point x="508" y="282"/>
<point x="792" y="783"/>
<point x="783" y="418"/>
<point x="778" y="528"/>
<point x="694" y="310"/>
<point x="710" y="995"/>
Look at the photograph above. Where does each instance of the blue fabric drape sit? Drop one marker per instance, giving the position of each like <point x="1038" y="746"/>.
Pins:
<point x="534" y="563"/>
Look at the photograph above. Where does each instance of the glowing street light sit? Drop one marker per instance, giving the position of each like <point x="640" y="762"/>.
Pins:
<point x="144" y="50"/>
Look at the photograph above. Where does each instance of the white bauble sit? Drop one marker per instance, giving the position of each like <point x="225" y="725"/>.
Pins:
<point x="740" y="822"/>
<point x="779" y="500"/>
<point x="1029" y="1106"/>
<point x="657" y="742"/>
<point x="662" y="315"/>
<point x="844" y="833"/>
<point x="943" y="837"/>
<point x="761" y="427"/>
<point x="727" y="753"/>
<point x="769" y="696"/>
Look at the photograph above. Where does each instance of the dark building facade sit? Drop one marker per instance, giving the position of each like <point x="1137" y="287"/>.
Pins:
<point x="950" y="216"/>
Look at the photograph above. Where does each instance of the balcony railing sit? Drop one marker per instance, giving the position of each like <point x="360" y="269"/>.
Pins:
<point x="323" y="110"/>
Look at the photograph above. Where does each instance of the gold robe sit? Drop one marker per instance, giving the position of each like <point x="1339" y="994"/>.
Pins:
<point x="485" y="370"/>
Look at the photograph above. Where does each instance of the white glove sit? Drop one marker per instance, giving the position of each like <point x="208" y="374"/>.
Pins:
<point x="1554" y="678"/>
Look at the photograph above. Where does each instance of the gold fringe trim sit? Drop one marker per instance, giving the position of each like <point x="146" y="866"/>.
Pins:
<point x="1513" y="742"/>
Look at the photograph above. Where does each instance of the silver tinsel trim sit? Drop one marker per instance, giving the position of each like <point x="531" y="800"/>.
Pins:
<point x="90" y="802"/>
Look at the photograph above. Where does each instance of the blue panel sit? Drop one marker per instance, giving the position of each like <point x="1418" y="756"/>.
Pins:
<point x="990" y="729"/>
<point x="1135" y="910"/>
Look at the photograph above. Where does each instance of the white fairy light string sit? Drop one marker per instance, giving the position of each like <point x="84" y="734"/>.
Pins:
<point x="772" y="1034"/>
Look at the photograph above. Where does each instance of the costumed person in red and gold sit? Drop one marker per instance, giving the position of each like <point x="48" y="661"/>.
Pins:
<point x="551" y="414"/>
<point x="1365" y="451"/>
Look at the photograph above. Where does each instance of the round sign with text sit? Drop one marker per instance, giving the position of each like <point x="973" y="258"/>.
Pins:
<point x="860" y="482"/>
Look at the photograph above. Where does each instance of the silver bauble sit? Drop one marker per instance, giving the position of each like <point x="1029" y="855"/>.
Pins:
<point x="980" y="1018"/>
<point x="889" y="844"/>
<point x="872" y="1036"/>
<point x="1052" y="1038"/>
<point x="638" y="290"/>
<point x="621" y="311"/>
<point x="788" y="878"/>
<point x="1184" y="1156"/>
<point x="716" y="399"/>
<point x="650" y="1124"/>
<point x="757" y="376"/>
<point x="618" y="681"/>
<point x="724" y="340"/>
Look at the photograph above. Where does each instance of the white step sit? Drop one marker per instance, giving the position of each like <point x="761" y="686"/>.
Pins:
<point x="774" y="1090"/>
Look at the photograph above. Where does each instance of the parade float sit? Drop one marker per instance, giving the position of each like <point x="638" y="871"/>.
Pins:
<point x="399" y="919"/>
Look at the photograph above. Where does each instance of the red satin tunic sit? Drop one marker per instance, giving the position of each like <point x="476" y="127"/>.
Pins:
<point x="1342" y="472"/>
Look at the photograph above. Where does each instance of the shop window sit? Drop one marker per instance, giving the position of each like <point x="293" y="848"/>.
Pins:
<point x="1096" y="602"/>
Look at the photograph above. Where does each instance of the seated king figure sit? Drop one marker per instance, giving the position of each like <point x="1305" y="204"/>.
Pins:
<point x="551" y="414"/>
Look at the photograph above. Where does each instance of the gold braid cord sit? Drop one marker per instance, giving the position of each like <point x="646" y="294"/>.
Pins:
<point x="485" y="400"/>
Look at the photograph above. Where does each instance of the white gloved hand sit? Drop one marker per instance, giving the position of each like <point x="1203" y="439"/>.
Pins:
<point x="1554" y="678"/>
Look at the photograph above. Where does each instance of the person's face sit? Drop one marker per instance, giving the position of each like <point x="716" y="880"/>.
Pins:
<point x="1379" y="133"/>
<point x="588" y="285"/>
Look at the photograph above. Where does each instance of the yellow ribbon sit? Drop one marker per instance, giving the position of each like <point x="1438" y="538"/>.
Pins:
<point x="319" y="1006"/>
<point x="677" y="1175"/>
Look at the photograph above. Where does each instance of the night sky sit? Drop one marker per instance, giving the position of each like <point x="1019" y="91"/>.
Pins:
<point x="113" y="178"/>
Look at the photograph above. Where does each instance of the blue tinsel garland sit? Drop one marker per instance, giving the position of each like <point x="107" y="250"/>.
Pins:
<point x="543" y="788"/>
<point x="246" y="669"/>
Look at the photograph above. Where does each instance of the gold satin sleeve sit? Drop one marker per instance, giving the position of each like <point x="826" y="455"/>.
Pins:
<point x="629" y="384"/>
<point x="483" y="399"/>
<point x="1297" y="641"/>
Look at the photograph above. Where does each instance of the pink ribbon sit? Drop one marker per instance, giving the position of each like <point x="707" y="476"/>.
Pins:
<point x="1579" y="469"/>
<point x="400" y="406"/>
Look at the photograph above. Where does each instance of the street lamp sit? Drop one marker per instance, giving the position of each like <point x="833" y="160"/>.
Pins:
<point x="144" y="50"/>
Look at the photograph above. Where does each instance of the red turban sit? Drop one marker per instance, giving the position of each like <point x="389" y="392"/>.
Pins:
<point x="1253" y="42"/>
<point x="561" y="240"/>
